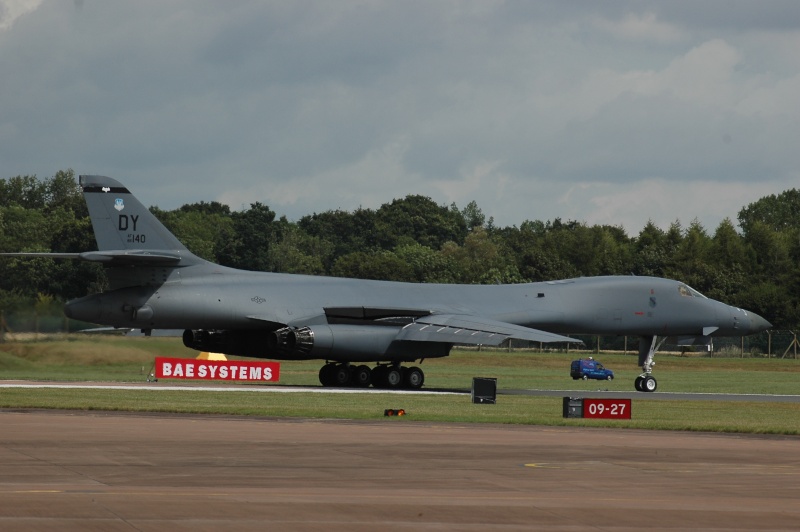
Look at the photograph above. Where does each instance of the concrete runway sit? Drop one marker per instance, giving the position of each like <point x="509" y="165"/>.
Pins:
<point x="120" y="471"/>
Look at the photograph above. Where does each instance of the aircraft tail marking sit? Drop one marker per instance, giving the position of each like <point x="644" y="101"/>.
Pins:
<point x="121" y="222"/>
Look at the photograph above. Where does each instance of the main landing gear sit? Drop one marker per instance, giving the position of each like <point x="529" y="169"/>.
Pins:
<point x="389" y="376"/>
<point x="647" y="351"/>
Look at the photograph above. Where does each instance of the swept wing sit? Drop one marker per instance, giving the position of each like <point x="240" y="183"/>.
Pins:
<point x="473" y="330"/>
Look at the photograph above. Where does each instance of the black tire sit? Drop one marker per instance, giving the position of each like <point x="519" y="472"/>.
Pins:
<point x="379" y="377"/>
<point x="341" y="375"/>
<point x="362" y="376"/>
<point x="610" y="378"/>
<point x="413" y="378"/>
<point x="326" y="377"/>
<point x="649" y="384"/>
<point x="638" y="384"/>
<point x="394" y="377"/>
<point x="585" y="377"/>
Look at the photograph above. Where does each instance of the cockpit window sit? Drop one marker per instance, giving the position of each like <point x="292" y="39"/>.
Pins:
<point x="688" y="291"/>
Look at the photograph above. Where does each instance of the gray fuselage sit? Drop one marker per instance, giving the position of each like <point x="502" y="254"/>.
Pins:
<point x="221" y="297"/>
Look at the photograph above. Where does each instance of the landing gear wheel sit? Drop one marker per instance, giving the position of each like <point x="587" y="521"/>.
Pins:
<point x="362" y="376"/>
<point x="379" y="376"/>
<point x="341" y="375"/>
<point x="413" y="378"/>
<point x="326" y="376"/>
<point x="638" y="383"/>
<point x="394" y="377"/>
<point x="649" y="384"/>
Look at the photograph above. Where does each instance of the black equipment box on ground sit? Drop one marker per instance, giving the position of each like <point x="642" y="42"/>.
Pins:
<point x="573" y="407"/>
<point x="484" y="390"/>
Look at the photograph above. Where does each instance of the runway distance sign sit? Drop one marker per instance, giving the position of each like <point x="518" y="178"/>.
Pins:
<point x="607" y="408"/>
<point x="224" y="370"/>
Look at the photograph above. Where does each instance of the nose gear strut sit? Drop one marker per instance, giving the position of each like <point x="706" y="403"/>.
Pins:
<point x="648" y="345"/>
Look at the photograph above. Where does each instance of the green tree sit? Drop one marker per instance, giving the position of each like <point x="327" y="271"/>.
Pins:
<point x="727" y="246"/>
<point x="346" y="232"/>
<point x="24" y="229"/>
<point x="692" y="255"/>
<point x="526" y="247"/>
<point x="297" y="252"/>
<point x="651" y="252"/>
<point x="480" y="260"/>
<point x="205" y="232"/>
<point x="254" y="233"/>
<point x="596" y="250"/>
<point x="380" y="265"/>
<point x="421" y="219"/>
<point x="774" y="302"/>
<point x="426" y="264"/>
<point x="23" y="191"/>
<point x="473" y="216"/>
<point x="62" y="191"/>
<point x="776" y="212"/>
<point x="771" y="250"/>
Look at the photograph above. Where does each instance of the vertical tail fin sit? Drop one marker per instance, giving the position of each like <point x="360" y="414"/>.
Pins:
<point x="121" y="222"/>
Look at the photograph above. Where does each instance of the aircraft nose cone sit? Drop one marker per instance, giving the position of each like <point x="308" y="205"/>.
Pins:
<point x="758" y="324"/>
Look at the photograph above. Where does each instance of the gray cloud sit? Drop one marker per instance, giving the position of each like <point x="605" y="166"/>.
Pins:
<point x="533" y="109"/>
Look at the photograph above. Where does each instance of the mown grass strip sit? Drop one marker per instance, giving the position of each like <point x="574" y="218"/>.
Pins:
<point x="103" y="358"/>
<point x="712" y="416"/>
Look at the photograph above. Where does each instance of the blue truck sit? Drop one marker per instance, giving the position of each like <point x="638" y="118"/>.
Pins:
<point x="589" y="368"/>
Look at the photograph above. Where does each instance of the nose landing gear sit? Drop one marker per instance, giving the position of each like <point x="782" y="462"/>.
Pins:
<point x="646" y="383"/>
<point x="647" y="351"/>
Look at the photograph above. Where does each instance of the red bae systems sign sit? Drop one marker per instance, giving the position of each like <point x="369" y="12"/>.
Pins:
<point x="225" y="370"/>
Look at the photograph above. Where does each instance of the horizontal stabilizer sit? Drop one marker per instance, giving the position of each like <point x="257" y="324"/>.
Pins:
<point x="119" y="257"/>
<point x="138" y="256"/>
<point x="73" y="256"/>
<point x="473" y="330"/>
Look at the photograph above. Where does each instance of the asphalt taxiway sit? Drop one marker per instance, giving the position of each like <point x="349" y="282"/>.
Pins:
<point x="122" y="471"/>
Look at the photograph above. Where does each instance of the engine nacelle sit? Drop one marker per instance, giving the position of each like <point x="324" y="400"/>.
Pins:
<point x="345" y="343"/>
<point x="294" y="343"/>
<point x="335" y="342"/>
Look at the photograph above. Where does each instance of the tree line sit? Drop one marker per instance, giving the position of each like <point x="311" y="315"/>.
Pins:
<point x="755" y="266"/>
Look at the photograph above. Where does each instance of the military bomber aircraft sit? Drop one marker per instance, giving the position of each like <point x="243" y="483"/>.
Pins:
<point x="157" y="283"/>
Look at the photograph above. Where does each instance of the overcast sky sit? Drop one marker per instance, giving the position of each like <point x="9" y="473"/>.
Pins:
<point x="608" y="112"/>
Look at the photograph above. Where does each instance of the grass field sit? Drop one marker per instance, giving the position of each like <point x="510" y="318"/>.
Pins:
<point x="103" y="358"/>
